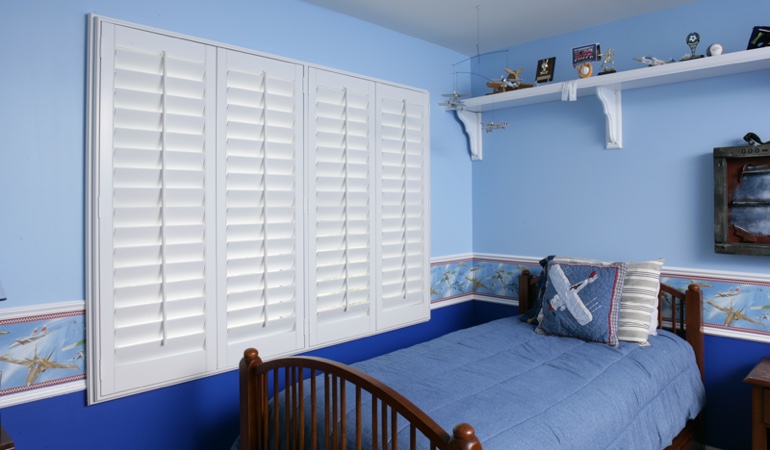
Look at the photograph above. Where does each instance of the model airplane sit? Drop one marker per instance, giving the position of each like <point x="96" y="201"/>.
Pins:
<point x="653" y="61"/>
<point x="508" y="83"/>
<point x="455" y="101"/>
<point x="489" y="126"/>
<point x="567" y="295"/>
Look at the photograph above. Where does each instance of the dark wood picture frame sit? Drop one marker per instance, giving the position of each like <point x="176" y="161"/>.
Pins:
<point x="742" y="200"/>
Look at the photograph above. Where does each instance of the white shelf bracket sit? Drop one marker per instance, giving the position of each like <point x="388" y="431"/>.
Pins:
<point x="613" y="111"/>
<point x="472" y="123"/>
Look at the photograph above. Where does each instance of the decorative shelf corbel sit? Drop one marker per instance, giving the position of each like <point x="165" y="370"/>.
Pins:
<point x="613" y="111"/>
<point x="472" y="123"/>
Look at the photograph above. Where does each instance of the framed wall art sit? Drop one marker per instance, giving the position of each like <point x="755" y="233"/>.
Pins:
<point x="742" y="200"/>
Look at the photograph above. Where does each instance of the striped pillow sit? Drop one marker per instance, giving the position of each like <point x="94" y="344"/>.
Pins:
<point x="639" y="301"/>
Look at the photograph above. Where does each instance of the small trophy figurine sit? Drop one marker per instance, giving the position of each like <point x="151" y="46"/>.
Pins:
<point x="608" y="65"/>
<point x="693" y="39"/>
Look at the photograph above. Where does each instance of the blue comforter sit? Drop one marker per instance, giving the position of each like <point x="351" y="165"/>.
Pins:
<point x="522" y="390"/>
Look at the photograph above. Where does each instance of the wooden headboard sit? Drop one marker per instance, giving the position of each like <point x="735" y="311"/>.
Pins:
<point x="686" y="318"/>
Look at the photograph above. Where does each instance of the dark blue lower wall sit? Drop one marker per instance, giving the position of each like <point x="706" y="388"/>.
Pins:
<point x="203" y="414"/>
<point x="728" y="409"/>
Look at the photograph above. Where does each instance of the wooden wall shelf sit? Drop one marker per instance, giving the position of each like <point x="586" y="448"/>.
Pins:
<point x="608" y="88"/>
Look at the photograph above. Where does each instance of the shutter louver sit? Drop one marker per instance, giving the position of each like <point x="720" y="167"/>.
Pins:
<point x="260" y="217"/>
<point x="341" y="188"/>
<point x="403" y="209"/>
<point x="159" y="180"/>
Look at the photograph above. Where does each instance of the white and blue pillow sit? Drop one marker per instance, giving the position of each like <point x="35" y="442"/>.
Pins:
<point x="582" y="300"/>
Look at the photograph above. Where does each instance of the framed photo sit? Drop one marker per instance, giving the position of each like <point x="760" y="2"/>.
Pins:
<point x="585" y="53"/>
<point x="544" y="71"/>
<point x="760" y="37"/>
<point x="742" y="200"/>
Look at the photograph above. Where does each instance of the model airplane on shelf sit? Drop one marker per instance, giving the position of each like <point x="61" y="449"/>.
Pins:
<point x="508" y="83"/>
<point x="653" y="61"/>
<point x="454" y="102"/>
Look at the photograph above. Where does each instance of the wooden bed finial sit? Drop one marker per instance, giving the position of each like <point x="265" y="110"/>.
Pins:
<point x="464" y="438"/>
<point x="251" y="354"/>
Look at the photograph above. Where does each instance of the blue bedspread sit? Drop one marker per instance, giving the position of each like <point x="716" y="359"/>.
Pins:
<point x="522" y="390"/>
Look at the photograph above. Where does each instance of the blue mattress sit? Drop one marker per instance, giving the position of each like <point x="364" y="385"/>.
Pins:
<point x="523" y="390"/>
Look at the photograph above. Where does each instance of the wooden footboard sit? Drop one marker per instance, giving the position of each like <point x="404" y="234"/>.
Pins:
<point x="284" y="379"/>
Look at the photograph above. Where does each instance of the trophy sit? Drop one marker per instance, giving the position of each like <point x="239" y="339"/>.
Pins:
<point x="693" y="39"/>
<point x="608" y="65"/>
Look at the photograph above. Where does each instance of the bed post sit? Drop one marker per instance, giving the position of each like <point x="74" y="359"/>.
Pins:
<point x="694" y="323"/>
<point x="526" y="291"/>
<point x="463" y="438"/>
<point x="249" y="398"/>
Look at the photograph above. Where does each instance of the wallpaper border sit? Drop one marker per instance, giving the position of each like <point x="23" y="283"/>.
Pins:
<point x="38" y="336"/>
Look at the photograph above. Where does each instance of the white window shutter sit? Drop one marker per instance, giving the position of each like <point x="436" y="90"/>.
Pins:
<point x="260" y="139"/>
<point x="229" y="207"/>
<point x="403" y="206"/>
<point x="341" y="212"/>
<point x="156" y="210"/>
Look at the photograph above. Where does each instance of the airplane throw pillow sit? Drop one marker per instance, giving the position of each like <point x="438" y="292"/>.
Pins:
<point x="582" y="300"/>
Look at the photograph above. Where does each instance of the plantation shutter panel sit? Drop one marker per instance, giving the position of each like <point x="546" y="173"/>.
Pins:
<point x="260" y="217"/>
<point x="403" y="207"/>
<point x="156" y="210"/>
<point x="341" y="155"/>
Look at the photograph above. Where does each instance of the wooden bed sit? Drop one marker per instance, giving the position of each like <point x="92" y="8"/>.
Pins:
<point x="262" y="426"/>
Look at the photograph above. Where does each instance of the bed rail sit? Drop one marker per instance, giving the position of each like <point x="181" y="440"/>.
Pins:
<point x="286" y="377"/>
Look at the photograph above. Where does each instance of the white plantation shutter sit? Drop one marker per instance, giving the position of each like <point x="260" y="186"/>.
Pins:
<point x="341" y="214"/>
<point x="231" y="208"/>
<point x="260" y="228"/>
<point x="403" y="210"/>
<point x="157" y="209"/>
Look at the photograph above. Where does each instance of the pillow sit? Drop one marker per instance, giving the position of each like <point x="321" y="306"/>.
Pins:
<point x="638" y="317"/>
<point x="582" y="300"/>
<point x="639" y="301"/>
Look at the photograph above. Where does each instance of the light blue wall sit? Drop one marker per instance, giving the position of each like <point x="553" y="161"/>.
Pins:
<point x="42" y="112"/>
<point x="547" y="185"/>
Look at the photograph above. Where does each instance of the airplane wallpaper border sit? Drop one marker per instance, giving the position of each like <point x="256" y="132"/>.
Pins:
<point x="42" y="349"/>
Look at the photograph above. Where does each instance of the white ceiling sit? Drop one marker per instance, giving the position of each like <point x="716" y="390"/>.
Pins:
<point x="503" y="23"/>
